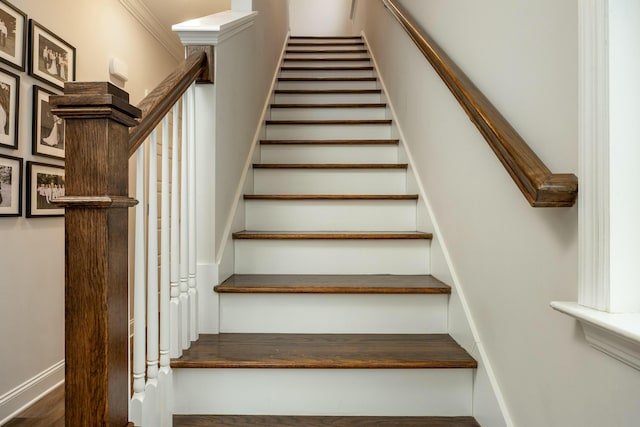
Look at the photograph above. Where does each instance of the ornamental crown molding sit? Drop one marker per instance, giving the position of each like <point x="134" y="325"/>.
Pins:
<point x="150" y="22"/>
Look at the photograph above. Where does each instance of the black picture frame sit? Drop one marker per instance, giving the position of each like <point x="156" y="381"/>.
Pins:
<point x="13" y="35"/>
<point x="51" y="59"/>
<point x="10" y="186"/>
<point x="48" y="129"/>
<point x="45" y="182"/>
<point x="9" y="109"/>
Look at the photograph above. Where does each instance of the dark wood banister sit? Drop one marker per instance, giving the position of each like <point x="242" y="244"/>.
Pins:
<point x="102" y="131"/>
<point x="197" y="67"/>
<point x="540" y="187"/>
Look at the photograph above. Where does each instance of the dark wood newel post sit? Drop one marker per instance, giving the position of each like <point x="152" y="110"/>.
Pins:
<point x="98" y="117"/>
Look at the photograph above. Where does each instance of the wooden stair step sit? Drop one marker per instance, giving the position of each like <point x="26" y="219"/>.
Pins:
<point x="330" y="142"/>
<point x="326" y="351"/>
<point x="332" y="284"/>
<point x="374" y="105"/>
<point x="331" y="235"/>
<point x="326" y="37"/>
<point x="330" y="165"/>
<point x="308" y="421"/>
<point x="328" y="122"/>
<point x="291" y="68"/>
<point x="324" y="44"/>
<point x="327" y="79"/>
<point x="326" y="59"/>
<point x="326" y="91"/>
<point x="330" y="197"/>
<point x="327" y="51"/>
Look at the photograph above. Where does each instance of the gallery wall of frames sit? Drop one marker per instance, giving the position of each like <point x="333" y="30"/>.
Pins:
<point x="31" y="54"/>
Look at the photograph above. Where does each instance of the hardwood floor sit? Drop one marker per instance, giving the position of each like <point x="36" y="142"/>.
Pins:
<point x="46" y="412"/>
<point x="282" y="421"/>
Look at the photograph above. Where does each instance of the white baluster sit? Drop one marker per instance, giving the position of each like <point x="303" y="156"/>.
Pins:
<point x="184" y="228"/>
<point x="139" y="308"/>
<point x="193" y="261"/>
<point x="165" y="251"/>
<point x="175" y="314"/>
<point x="152" y="263"/>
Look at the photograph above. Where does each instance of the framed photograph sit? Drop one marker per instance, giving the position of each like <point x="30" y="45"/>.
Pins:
<point x="9" y="104"/>
<point x="45" y="183"/>
<point x="51" y="59"/>
<point x="13" y="35"/>
<point x="48" y="130"/>
<point x="10" y="186"/>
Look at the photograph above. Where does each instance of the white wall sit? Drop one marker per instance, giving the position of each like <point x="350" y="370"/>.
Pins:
<point x="511" y="260"/>
<point x="320" y="18"/>
<point x="32" y="250"/>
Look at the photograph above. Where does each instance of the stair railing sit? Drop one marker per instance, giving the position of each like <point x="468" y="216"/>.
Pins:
<point x="538" y="184"/>
<point x="102" y="133"/>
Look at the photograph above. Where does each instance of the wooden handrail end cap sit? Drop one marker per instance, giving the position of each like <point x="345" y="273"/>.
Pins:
<point x="558" y="191"/>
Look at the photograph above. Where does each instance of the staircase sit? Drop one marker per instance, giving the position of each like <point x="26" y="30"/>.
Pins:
<point x="331" y="318"/>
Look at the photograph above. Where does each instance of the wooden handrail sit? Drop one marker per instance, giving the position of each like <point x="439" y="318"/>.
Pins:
<point x="198" y="66"/>
<point x="540" y="187"/>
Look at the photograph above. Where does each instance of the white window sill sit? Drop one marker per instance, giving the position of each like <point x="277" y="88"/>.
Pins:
<point x="617" y="335"/>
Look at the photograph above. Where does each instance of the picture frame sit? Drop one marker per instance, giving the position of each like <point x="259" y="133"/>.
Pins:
<point x="10" y="186"/>
<point x="13" y="35"/>
<point x="9" y="109"/>
<point x="45" y="182"/>
<point x="51" y="59"/>
<point x="48" y="129"/>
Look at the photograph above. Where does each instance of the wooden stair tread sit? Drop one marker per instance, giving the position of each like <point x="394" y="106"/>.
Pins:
<point x="325" y="91"/>
<point x="374" y="105"/>
<point x="326" y="351"/>
<point x="330" y="166"/>
<point x="332" y="284"/>
<point x="326" y="59"/>
<point x="325" y="44"/>
<point x="331" y="197"/>
<point x="327" y="79"/>
<point x="309" y="421"/>
<point x="326" y="51"/>
<point x="330" y="141"/>
<point x="328" y="122"/>
<point x="326" y="37"/>
<point x="291" y="68"/>
<point x="331" y="235"/>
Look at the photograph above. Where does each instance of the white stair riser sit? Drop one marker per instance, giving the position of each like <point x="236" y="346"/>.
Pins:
<point x="343" y="215"/>
<point x="327" y="85"/>
<point x="378" y="113"/>
<point x="327" y="73"/>
<point x="363" y="62"/>
<point x="332" y="257"/>
<point x="376" y="392"/>
<point x="318" y="44"/>
<point x="329" y="154"/>
<point x="360" y="131"/>
<point x="327" y="98"/>
<point x="316" y="55"/>
<point x="329" y="181"/>
<point x="333" y="314"/>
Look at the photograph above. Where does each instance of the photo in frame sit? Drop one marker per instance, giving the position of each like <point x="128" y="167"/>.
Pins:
<point x="48" y="130"/>
<point x="9" y="105"/>
<point x="51" y="59"/>
<point x="10" y="186"/>
<point x="45" y="183"/>
<point x="13" y="35"/>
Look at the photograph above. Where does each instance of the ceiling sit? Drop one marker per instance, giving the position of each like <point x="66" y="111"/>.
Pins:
<point x="171" y="12"/>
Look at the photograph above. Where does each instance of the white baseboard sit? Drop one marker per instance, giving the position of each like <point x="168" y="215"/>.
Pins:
<point x="18" y="399"/>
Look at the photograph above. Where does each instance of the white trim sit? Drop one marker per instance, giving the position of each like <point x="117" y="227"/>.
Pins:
<point x="214" y="29"/>
<point x="21" y="397"/>
<point x="436" y="230"/>
<point x="593" y="203"/>
<point x="150" y="22"/>
<point x="617" y="335"/>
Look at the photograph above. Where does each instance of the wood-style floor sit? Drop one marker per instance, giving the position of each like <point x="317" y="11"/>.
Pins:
<point x="46" y="412"/>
